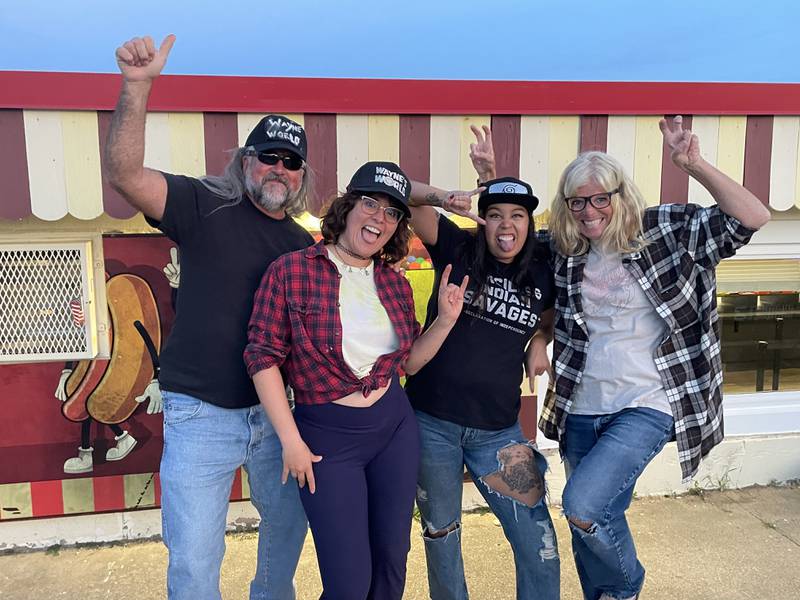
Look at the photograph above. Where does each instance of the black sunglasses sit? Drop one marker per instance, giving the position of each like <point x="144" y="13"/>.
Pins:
<point x="290" y="161"/>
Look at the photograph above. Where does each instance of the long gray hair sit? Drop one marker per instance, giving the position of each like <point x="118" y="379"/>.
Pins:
<point x="231" y="185"/>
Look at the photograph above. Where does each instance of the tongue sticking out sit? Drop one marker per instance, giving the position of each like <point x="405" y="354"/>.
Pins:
<point x="506" y="243"/>
<point x="369" y="236"/>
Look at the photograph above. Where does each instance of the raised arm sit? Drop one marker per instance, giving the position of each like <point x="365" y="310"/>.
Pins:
<point x="140" y="64"/>
<point x="731" y="197"/>
<point x="425" y="220"/>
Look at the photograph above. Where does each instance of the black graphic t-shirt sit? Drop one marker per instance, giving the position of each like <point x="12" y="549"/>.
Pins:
<point x="224" y="250"/>
<point x="474" y="380"/>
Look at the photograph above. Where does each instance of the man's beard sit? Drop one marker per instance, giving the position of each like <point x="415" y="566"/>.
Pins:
<point x="270" y="199"/>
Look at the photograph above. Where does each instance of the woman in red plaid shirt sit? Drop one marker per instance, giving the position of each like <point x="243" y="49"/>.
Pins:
<point x="339" y="322"/>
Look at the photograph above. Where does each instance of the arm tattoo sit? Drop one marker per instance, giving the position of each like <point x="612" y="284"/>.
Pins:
<point x="433" y="200"/>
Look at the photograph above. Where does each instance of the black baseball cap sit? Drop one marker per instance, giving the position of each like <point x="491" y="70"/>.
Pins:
<point x="276" y="132"/>
<point x="507" y="190"/>
<point x="385" y="178"/>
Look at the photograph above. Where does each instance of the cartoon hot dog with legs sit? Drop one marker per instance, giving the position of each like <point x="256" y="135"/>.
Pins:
<point x="110" y="390"/>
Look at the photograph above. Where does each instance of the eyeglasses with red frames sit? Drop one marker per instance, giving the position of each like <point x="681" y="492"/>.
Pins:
<point x="601" y="200"/>
<point x="290" y="161"/>
<point x="370" y="206"/>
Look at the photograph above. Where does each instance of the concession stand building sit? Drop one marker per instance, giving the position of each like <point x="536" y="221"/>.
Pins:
<point x="79" y="268"/>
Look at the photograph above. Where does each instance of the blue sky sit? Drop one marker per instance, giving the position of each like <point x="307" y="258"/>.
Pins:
<point x="534" y="40"/>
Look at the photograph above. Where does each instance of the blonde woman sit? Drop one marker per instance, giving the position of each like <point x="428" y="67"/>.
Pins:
<point x="636" y="358"/>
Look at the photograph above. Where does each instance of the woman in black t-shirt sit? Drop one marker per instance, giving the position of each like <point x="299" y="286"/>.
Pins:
<point x="467" y="398"/>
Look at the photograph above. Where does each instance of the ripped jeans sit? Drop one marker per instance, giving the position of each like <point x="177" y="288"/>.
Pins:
<point x="603" y="457"/>
<point x="496" y="460"/>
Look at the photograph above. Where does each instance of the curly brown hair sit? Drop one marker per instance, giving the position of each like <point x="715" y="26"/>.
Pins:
<point x="335" y="221"/>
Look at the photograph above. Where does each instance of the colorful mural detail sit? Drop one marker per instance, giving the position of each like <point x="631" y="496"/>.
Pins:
<point x="108" y="391"/>
<point x="120" y="395"/>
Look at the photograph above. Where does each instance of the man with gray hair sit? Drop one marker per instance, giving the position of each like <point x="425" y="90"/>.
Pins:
<point x="229" y="228"/>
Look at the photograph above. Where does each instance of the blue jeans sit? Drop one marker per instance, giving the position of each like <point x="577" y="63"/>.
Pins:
<point x="445" y="449"/>
<point x="204" y="446"/>
<point x="603" y="457"/>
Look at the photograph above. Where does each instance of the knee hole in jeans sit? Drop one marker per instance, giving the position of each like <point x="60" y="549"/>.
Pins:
<point x="587" y="526"/>
<point x="517" y="476"/>
<point x="434" y="534"/>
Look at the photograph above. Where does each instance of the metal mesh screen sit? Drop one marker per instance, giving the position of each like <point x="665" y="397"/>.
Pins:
<point x="43" y="303"/>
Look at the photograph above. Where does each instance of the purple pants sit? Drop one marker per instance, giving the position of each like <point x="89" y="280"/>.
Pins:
<point x="360" y="515"/>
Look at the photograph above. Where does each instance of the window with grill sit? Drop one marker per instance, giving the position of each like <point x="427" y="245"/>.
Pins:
<point x="48" y="302"/>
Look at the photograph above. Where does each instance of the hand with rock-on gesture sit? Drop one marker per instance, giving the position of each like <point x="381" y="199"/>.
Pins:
<point x="459" y="202"/>
<point x="451" y="296"/>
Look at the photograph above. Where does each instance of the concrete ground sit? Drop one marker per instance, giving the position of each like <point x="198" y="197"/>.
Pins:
<point x="740" y="544"/>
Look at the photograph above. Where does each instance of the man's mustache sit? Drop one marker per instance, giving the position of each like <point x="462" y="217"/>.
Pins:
<point x="275" y="177"/>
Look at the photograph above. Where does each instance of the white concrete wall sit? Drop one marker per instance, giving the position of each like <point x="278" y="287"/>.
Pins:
<point x="740" y="461"/>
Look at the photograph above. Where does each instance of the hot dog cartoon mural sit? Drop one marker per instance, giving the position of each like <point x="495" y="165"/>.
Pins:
<point x="109" y="423"/>
<point x="108" y="391"/>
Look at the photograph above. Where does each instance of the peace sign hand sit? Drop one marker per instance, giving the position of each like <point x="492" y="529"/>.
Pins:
<point x="481" y="153"/>
<point x="683" y="144"/>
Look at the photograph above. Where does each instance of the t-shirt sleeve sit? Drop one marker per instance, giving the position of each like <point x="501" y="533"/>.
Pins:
<point x="448" y="240"/>
<point x="307" y="237"/>
<point x="182" y="210"/>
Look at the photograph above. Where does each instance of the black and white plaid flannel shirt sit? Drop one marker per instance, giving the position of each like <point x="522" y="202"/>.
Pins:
<point x="676" y="272"/>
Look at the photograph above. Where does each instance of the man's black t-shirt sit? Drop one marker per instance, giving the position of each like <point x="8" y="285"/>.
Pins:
<point x="224" y="250"/>
<point x="474" y="380"/>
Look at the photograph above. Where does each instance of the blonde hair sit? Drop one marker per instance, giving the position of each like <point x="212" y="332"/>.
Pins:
<point x="624" y="232"/>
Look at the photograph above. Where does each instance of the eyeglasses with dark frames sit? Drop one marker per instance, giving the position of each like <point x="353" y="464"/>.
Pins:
<point x="601" y="200"/>
<point x="290" y="161"/>
<point x="370" y="206"/>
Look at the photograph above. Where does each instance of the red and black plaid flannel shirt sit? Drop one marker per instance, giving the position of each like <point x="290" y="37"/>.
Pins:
<point x="295" y="324"/>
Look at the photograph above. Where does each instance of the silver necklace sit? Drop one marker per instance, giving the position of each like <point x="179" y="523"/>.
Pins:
<point x="350" y="268"/>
